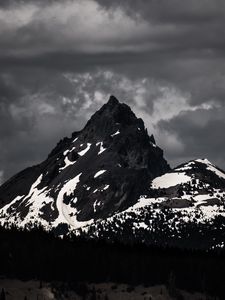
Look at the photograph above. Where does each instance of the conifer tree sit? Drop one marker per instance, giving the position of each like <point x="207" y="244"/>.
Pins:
<point x="2" y="296"/>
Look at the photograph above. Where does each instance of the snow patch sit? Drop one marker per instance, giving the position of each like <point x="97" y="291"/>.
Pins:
<point x="143" y="201"/>
<point x="81" y="153"/>
<point x="117" y="132"/>
<point x="154" y="145"/>
<point x="67" y="163"/>
<point x="67" y="214"/>
<point x="34" y="200"/>
<point x="99" y="173"/>
<point x="170" y="179"/>
<point x="65" y="152"/>
<point x="106" y="187"/>
<point x="96" y="205"/>
<point x="102" y="149"/>
<point x="186" y="167"/>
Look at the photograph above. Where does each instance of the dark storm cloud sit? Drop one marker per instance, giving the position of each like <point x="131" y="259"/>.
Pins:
<point x="201" y="134"/>
<point x="10" y="3"/>
<point x="169" y="11"/>
<point x="59" y="61"/>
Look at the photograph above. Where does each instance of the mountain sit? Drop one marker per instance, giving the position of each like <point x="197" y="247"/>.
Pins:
<point x="99" y="171"/>
<point x="185" y="207"/>
<point x="111" y="181"/>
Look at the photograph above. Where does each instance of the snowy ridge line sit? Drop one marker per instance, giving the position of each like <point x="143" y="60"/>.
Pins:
<point x="35" y="199"/>
<point x="212" y="168"/>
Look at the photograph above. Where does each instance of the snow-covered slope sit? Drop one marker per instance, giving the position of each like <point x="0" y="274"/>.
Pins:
<point x="184" y="207"/>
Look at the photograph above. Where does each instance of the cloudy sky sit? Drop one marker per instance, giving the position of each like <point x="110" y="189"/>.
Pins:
<point x="60" y="61"/>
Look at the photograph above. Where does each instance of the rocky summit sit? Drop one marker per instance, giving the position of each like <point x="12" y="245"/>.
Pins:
<point x="101" y="170"/>
<point x="111" y="181"/>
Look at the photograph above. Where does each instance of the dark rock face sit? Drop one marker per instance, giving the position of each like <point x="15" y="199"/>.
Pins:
<point x="114" y="158"/>
<point x="18" y="185"/>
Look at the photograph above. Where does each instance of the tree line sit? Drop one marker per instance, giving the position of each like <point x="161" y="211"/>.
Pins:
<point x="40" y="255"/>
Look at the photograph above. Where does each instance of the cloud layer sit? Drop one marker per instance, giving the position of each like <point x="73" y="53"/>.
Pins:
<point x="61" y="60"/>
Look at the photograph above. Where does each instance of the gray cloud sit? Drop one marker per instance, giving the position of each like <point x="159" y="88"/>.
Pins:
<point x="60" y="61"/>
<point x="201" y="133"/>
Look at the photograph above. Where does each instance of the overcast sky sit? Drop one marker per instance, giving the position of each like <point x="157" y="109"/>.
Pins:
<point x="60" y="61"/>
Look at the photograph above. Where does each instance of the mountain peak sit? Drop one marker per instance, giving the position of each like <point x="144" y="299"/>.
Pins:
<point x="100" y="170"/>
<point x="111" y="117"/>
<point x="113" y="101"/>
<point x="113" y="107"/>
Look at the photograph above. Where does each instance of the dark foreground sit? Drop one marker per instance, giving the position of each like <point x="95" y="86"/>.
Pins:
<point x="33" y="290"/>
<point x="40" y="257"/>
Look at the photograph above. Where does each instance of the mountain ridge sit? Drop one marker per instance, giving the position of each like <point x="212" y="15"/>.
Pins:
<point x="110" y="179"/>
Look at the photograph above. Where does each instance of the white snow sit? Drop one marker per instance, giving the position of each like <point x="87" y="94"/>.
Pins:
<point x="142" y="202"/>
<point x="38" y="198"/>
<point x="211" y="167"/>
<point x="143" y="225"/>
<point x="67" y="163"/>
<point x="4" y="209"/>
<point x="186" y="167"/>
<point x="67" y="214"/>
<point x="117" y="132"/>
<point x="170" y="179"/>
<point x="102" y="189"/>
<point x="96" y="204"/>
<point x="68" y="151"/>
<point x="202" y="198"/>
<point x="99" y="173"/>
<point x="102" y="149"/>
<point x="65" y="152"/>
<point x="188" y="214"/>
<point x="204" y="161"/>
<point x="216" y="171"/>
<point x="81" y="153"/>
<point x="106" y="187"/>
<point x="35" y="200"/>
